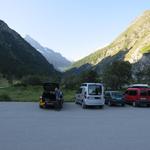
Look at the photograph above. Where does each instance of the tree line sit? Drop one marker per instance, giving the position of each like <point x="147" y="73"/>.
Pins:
<point x="115" y="76"/>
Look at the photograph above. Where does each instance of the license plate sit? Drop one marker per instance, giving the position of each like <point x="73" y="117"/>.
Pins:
<point x="49" y="103"/>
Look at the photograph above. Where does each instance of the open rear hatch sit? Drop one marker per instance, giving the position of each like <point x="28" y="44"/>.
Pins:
<point x="49" y="91"/>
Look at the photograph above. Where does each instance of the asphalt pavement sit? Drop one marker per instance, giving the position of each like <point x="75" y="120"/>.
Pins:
<point x="24" y="126"/>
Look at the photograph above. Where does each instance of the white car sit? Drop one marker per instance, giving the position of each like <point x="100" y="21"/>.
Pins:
<point x="90" y="94"/>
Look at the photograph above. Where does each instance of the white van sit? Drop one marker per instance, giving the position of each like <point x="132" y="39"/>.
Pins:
<point x="90" y="94"/>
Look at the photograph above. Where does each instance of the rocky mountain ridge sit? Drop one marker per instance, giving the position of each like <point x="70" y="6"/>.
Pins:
<point x="18" y="58"/>
<point x="132" y="45"/>
<point x="59" y="62"/>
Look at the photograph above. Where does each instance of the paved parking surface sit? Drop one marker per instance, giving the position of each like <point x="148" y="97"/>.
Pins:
<point x="23" y="126"/>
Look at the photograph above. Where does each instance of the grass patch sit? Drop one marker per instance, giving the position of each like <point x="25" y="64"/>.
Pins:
<point x="69" y="95"/>
<point x="145" y="49"/>
<point x="26" y="94"/>
<point x="3" y="82"/>
<point x="29" y="94"/>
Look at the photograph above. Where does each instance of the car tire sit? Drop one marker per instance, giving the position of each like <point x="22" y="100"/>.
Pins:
<point x="76" y="102"/>
<point x="123" y="105"/>
<point x="41" y="106"/>
<point x="148" y="105"/>
<point x="109" y="103"/>
<point x="84" y="105"/>
<point x="134" y="104"/>
<point x="101" y="106"/>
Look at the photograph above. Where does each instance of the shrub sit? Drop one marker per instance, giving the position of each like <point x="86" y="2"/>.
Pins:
<point x="117" y="75"/>
<point x="31" y="80"/>
<point x="5" y="97"/>
<point x="145" y="49"/>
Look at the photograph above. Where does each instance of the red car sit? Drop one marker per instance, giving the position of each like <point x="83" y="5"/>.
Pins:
<point x="137" y="96"/>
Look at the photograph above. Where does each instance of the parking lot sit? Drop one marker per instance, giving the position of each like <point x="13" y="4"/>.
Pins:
<point x="23" y="126"/>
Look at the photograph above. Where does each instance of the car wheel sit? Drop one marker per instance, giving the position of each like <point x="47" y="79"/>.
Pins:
<point x="57" y="106"/>
<point x="101" y="106"/>
<point x="76" y="102"/>
<point x="109" y="103"/>
<point x="84" y="105"/>
<point x="40" y="106"/>
<point x="148" y="105"/>
<point x="123" y="105"/>
<point x="134" y="104"/>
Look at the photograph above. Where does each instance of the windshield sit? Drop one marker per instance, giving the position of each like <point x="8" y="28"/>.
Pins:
<point x="132" y="93"/>
<point x="94" y="89"/>
<point x="117" y="94"/>
<point x="143" y="93"/>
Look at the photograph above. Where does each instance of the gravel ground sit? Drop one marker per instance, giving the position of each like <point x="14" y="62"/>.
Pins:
<point x="23" y="126"/>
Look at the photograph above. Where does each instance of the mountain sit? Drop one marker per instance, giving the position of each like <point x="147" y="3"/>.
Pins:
<point x="132" y="45"/>
<point x="58" y="61"/>
<point x="18" y="58"/>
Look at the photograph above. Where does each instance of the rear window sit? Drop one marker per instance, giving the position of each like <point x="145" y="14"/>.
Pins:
<point x="117" y="94"/>
<point x="143" y="93"/>
<point x="132" y="93"/>
<point x="94" y="89"/>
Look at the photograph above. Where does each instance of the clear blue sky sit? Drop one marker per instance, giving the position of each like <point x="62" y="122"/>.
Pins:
<point x="75" y="28"/>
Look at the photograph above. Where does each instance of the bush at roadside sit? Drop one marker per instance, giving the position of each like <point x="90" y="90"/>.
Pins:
<point x="5" y="97"/>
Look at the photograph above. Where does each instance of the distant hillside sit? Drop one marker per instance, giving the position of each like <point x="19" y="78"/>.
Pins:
<point x="132" y="45"/>
<point x="18" y="58"/>
<point x="58" y="61"/>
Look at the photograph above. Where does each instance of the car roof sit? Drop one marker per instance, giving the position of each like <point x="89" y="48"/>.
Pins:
<point x="92" y="83"/>
<point x="142" y="88"/>
<point x="139" y="86"/>
<point x="112" y="91"/>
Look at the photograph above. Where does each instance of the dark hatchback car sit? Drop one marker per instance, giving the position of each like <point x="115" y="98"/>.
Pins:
<point x="52" y="96"/>
<point x="114" y="98"/>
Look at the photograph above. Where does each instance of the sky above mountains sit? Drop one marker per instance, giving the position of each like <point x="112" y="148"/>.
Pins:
<point x="75" y="28"/>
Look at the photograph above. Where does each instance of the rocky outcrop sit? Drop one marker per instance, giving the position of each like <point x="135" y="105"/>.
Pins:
<point x="133" y="45"/>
